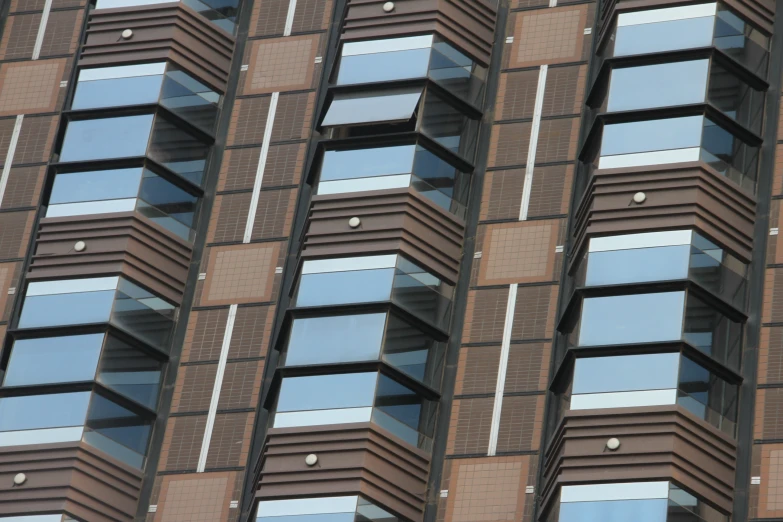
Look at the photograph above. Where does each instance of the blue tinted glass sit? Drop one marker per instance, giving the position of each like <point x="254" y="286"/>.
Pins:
<point x="651" y="135"/>
<point x="359" y="286"/>
<point x="398" y="401"/>
<point x="321" y="392"/>
<point x="189" y="99"/>
<point x="130" y="372"/>
<point x="652" y="510"/>
<point x="122" y="137"/>
<point x="54" y="359"/>
<point x="117" y="92"/>
<point x="95" y="185"/>
<point x="664" y="36"/>
<point x="626" y="373"/>
<point x="632" y="319"/>
<point x="168" y="198"/>
<point x="383" y="67"/>
<point x="64" y="309"/>
<point x="660" y="85"/>
<point x="321" y="517"/>
<point x="365" y="163"/>
<point x="637" y="265"/>
<point x="43" y="411"/>
<point x="117" y="423"/>
<point x="319" y="340"/>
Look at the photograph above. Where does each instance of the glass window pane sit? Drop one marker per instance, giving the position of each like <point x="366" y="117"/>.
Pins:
<point x="448" y="126"/>
<point x="632" y="319"/>
<point x="106" y="138"/>
<point x="637" y="265"/>
<point x="43" y="411"/>
<point x="53" y="359"/>
<point x="365" y="163"/>
<point x="348" y="109"/>
<point x="626" y="373"/>
<point x="320" y="392"/>
<point x="413" y="352"/>
<point x="652" y="510"/>
<point x="664" y="36"/>
<point x="97" y="185"/>
<point x="660" y="85"/>
<point x="66" y="309"/>
<point x="178" y="151"/>
<point x="358" y="286"/>
<point x="383" y="67"/>
<point x="117" y="92"/>
<point x="117" y="430"/>
<point x="130" y="372"/>
<point x="167" y="205"/>
<point x="342" y="338"/>
<point x="143" y="315"/>
<point x="190" y="99"/>
<point x="651" y="135"/>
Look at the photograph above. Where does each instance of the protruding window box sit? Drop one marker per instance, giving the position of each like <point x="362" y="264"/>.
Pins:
<point x="654" y="257"/>
<point x="349" y="170"/>
<point x="221" y="13"/>
<point x="359" y="337"/>
<point x="323" y="509"/>
<point x="133" y="137"/>
<point x="137" y="189"/>
<point x="373" y="279"/>
<point x="345" y="398"/>
<point x="425" y="56"/>
<point x="118" y="428"/>
<point x="162" y="83"/>
<point x="114" y="300"/>
<point x="688" y="27"/>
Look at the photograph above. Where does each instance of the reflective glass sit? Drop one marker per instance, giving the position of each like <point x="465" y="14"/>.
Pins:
<point x="320" y="392"/>
<point x="117" y="430"/>
<point x="167" y="205"/>
<point x="740" y="40"/>
<point x="222" y="13"/>
<point x="178" y="151"/>
<point x="637" y="265"/>
<point x="130" y="372"/>
<point x="71" y="187"/>
<point x="647" y="510"/>
<point x="628" y="319"/>
<point x="66" y="309"/>
<point x="413" y="352"/>
<point x="707" y="396"/>
<point x="54" y="410"/>
<point x="626" y="373"/>
<point x="651" y="135"/>
<point x="383" y="66"/>
<point x="144" y="315"/>
<point x="366" y="163"/>
<point x="106" y="138"/>
<point x="190" y="99"/>
<point x="391" y="106"/>
<point x="342" y="338"/>
<point x="659" y="85"/>
<point x="117" y="92"/>
<point x="53" y="359"/>
<point x="664" y="36"/>
<point x="358" y="286"/>
<point x="448" y="126"/>
<point x="713" y="333"/>
<point x="735" y="98"/>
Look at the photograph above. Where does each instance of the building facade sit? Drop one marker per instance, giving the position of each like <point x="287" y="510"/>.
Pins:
<point x="406" y="261"/>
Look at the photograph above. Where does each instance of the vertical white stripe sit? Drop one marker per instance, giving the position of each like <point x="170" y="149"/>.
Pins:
<point x="531" y="151"/>
<point x="503" y="366"/>
<point x="42" y="29"/>
<point x="552" y="3"/>
<point x="270" y="121"/>
<point x="213" y="404"/>
<point x="289" y="19"/>
<point x="9" y="158"/>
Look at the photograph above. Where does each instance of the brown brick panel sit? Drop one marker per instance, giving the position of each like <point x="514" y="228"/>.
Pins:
<point x="485" y="315"/>
<point x="352" y="459"/>
<point x="268" y="18"/>
<point x="6" y="130"/>
<point x="35" y="139"/>
<point x="275" y="214"/>
<point x="683" y="195"/>
<point x="241" y="385"/>
<point x="24" y="187"/>
<point x="119" y="243"/>
<point x="72" y="477"/>
<point x="204" y="336"/>
<point x="238" y="171"/>
<point x="15" y="228"/>
<point x="230" y="442"/>
<point x="63" y="30"/>
<point x="293" y="117"/>
<point x="19" y="36"/>
<point x="468" y="24"/>
<point x="521" y="418"/>
<point x="229" y="217"/>
<point x="193" y="389"/>
<point x="248" y="121"/>
<point x="391" y="220"/>
<point x="182" y="443"/>
<point x="168" y="31"/>
<point x="477" y="371"/>
<point x="502" y="194"/>
<point x="470" y="426"/>
<point x="656" y="443"/>
<point x="550" y="193"/>
<point x="535" y="312"/>
<point x="252" y="329"/>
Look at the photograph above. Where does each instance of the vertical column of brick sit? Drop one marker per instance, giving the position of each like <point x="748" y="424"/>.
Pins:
<point x="245" y="274"/>
<point x="32" y="94"/>
<point x="517" y="255"/>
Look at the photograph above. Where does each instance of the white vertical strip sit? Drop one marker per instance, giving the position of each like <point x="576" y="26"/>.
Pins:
<point x="503" y="366"/>
<point x="552" y="3"/>
<point x="9" y="158"/>
<point x="270" y="121"/>
<point x="213" y="404"/>
<point x="531" y="151"/>
<point x="39" y="38"/>
<point x="289" y="19"/>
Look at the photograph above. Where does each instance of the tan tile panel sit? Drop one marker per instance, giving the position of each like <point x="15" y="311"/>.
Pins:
<point x="477" y="370"/>
<point x="30" y="87"/>
<point x="195" y="498"/>
<point x="770" y="503"/>
<point x="518" y="252"/>
<point x="548" y="36"/>
<point x="240" y="274"/>
<point x="487" y="490"/>
<point x="470" y="426"/>
<point x="283" y="64"/>
<point x="502" y="194"/>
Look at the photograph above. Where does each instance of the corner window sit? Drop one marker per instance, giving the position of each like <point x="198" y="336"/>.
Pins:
<point x="322" y="509"/>
<point x="221" y="13"/>
<point x="118" y="86"/>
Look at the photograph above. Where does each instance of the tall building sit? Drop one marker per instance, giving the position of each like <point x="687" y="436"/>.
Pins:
<point x="391" y="261"/>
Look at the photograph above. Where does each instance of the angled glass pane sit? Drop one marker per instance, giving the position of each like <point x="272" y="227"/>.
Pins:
<point x="118" y="86"/>
<point x="130" y="372"/>
<point x="387" y="106"/>
<point x="144" y="315"/>
<point x="628" y="319"/>
<point x="659" y="85"/>
<point x="167" y="205"/>
<point x="367" y="163"/>
<point x="357" y="286"/>
<point x="178" y="150"/>
<point x="189" y="99"/>
<point x="116" y="430"/>
<point x="384" y="66"/>
<point x="668" y="35"/>
<point x="53" y="359"/>
<point x="342" y="338"/>
<point x="106" y="138"/>
<point x="652" y="510"/>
